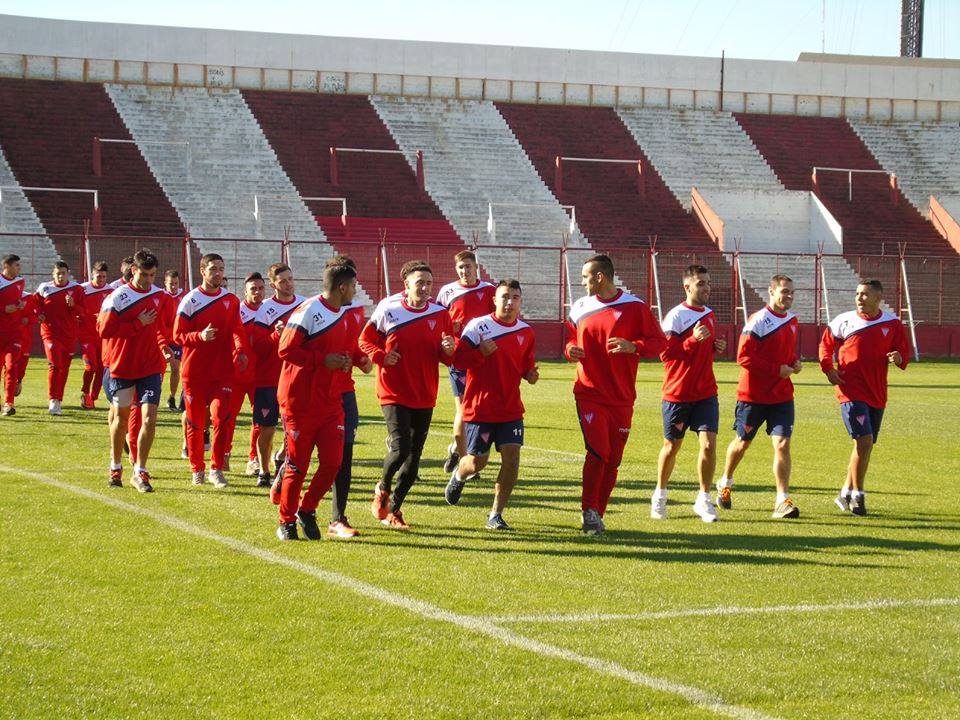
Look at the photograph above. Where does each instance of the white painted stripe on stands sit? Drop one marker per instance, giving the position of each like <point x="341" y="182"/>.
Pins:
<point x="693" y="695"/>
<point x="724" y="610"/>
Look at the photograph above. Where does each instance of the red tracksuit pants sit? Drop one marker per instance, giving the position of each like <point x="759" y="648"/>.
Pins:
<point x="303" y="435"/>
<point x="59" y="354"/>
<point x="605" y="433"/>
<point x="91" y="352"/>
<point x="198" y="397"/>
<point x="10" y="348"/>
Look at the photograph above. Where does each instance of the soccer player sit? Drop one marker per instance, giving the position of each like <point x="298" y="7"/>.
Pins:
<point x="126" y="268"/>
<point x="243" y="382"/>
<point x="689" y="393"/>
<point x="340" y="526"/>
<point x="95" y="291"/>
<point x="171" y="285"/>
<point x="59" y="305"/>
<point x="132" y="325"/>
<point x="497" y="351"/>
<point x="406" y="337"/>
<point x="268" y="327"/>
<point x="608" y="331"/>
<point x="865" y="342"/>
<point x="317" y="347"/>
<point x="466" y="298"/>
<point x="12" y="306"/>
<point x="768" y="357"/>
<point x="214" y="344"/>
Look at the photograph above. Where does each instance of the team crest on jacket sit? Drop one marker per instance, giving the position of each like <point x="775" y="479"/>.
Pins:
<point x="391" y="314"/>
<point x="850" y="323"/>
<point x="591" y="304"/>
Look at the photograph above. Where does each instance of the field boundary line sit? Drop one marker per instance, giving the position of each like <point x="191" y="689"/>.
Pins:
<point x="693" y="695"/>
<point x="723" y="610"/>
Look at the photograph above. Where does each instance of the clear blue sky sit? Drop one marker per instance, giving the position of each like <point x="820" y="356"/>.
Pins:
<point x="763" y="29"/>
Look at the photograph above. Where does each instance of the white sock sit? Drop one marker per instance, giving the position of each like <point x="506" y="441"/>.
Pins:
<point x="659" y="493"/>
<point x="845" y="491"/>
<point x="138" y="468"/>
<point x="115" y="466"/>
<point x="858" y="494"/>
<point x="725" y="482"/>
<point x="703" y="496"/>
<point x="781" y="496"/>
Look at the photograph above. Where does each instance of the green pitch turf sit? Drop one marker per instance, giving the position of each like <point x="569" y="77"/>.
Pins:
<point x="182" y="604"/>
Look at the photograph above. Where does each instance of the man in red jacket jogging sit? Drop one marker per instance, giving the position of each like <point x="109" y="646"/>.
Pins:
<point x="94" y="293"/>
<point x="59" y="304"/>
<point x="12" y="306"/>
<point x="768" y="357"/>
<point x="864" y="342"/>
<point x="608" y="331"/>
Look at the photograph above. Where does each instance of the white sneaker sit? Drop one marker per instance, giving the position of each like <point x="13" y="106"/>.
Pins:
<point x="55" y="408"/>
<point x="253" y="467"/>
<point x="705" y="508"/>
<point x="658" y="507"/>
<point x="216" y="477"/>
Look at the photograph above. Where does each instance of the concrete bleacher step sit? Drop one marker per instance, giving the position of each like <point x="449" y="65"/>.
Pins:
<point x="213" y="185"/>
<point x="36" y="250"/>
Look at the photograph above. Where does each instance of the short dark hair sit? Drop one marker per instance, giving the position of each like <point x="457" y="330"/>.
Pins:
<point x="510" y="283"/>
<point x="335" y="275"/>
<point x="779" y="279"/>
<point x="61" y="265"/>
<point x="465" y="255"/>
<point x="209" y="258"/>
<point x="694" y="270"/>
<point x="603" y="264"/>
<point x="341" y="260"/>
<point x="253" y="276"/>
<point x="128" y="260"/>
<point x="412" y="266"/>
<point x="873" y="283"/>
<point x="172" y="274"/>
<point x="100" y="266"/>
<point x="144" y="260"/>
<point x="274" y="270"/>
<point x="10" y="259"/>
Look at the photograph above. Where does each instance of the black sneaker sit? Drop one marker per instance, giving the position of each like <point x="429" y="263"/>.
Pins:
<point x="592" y="524"/>
<point x="496" y="522"/>
<point x="264" y="480"/>
<point x="858" y="504"/>
<point x="116" y="478"/>
<point x="308" y="523"/>
<point x="454" y="489"/>
<point x="453" y="459"/>
<point x="287" y="531"/>
<point x="172" y="404"/>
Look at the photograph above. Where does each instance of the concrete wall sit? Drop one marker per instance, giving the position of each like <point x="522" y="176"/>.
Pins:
<point x="882" y="89"/>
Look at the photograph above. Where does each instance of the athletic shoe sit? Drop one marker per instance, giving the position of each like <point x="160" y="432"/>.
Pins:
<point x="141" y="481"/>
<point x="658" y="507"/>
<point x="454" y="489"/>
<point x="453" y="459"/>
<point x="172" y="404"/>
<point x="858" y="505"/>
<point x="843" y="502"/>
<point x="287" y="531"/>
<point x="8" y="410"/>
<point x="206" y="439"/>
<point x="216" y="477"/>
<point x="86" y="401"/>
<point x="496" y="522"/>
<point x="380" y="507"/>
<point x="264" y="480"/>
<point x="342" y="529"/>
<point x="226" y="462"/>
<point x="55" y="408"/>
<point x="308" y="523"/>
<point x="184" y="454"/>
<point x="253" y="468"/>
<point x="786" y="510"/>
<point x="197" y="478"/>
<point x="395" y="520"/>
<point x="275" y="488"/>
<point x="705" y="508"/>
<point x="725" y="498"/>
<point x="592" y="524"/>
<point x="115" y="478"/>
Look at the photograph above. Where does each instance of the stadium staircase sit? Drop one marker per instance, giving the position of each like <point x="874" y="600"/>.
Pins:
<point x="472" y="159"/>
<point x="384" y="201"/>
<point x="47" y="130"/>
<point x="213" y="186"/>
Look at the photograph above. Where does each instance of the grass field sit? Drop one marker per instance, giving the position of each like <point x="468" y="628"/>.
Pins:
<point x="182" y="604"/>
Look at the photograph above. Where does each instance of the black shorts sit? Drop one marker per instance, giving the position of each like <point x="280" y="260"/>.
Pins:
<point x="266" y="409"/>
<point x="750" y="416"/>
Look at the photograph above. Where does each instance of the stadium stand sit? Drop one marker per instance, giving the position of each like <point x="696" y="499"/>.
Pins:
<point x="28" y="238"/>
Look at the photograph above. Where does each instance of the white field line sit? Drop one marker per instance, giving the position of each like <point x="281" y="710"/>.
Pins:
<point x="724" y="610"/>
<point x="693" y="695"/>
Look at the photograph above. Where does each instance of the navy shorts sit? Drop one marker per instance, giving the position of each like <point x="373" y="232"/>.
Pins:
<point x="700" y="416"/>
<point x="351" y="417"/>
<point x="177" y="351"/>
<point x="480" y="436"/>
<point x="750" y="416"/>
<point x="861" y="419"/>
<point x="266" y="408"/>
<point x="458" y="381"/>
<point x="143" y="391"/>
<point x="106" y="385"/>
